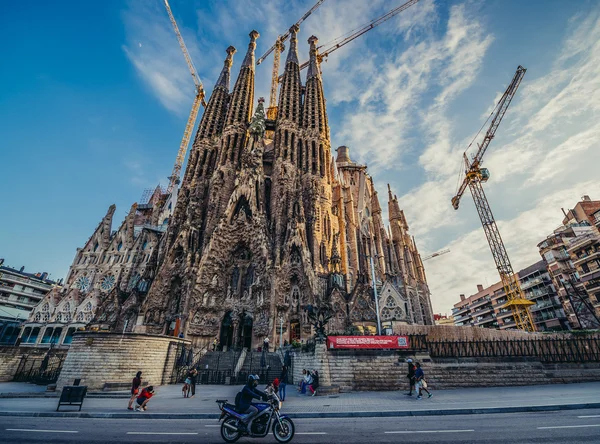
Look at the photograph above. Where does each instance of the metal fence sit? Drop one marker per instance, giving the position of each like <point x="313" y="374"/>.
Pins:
<point x="545" y="350"/>
<point x="39" y="371"/>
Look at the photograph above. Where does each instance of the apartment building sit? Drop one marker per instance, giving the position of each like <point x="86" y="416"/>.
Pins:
<point x="20" y="292"/>
<point x="486" y="307"/>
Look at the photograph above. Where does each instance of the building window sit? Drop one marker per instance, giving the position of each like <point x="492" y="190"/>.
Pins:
<point x="69" y="336"/>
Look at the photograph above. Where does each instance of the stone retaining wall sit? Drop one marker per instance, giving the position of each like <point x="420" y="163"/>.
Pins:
<point x="98" y="357"/>
<point x="366" y="370"/>
<point x="11" y="357"/>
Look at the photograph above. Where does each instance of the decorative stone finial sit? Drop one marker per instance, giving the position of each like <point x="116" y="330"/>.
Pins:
<point x="249" y="59"/>
<point x="293" y="52"/>
<point x="224" y="77"/>
<point x="313" y="66"/>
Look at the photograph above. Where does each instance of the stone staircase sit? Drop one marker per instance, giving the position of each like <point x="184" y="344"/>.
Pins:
<point x="252" y="365"/>
<point x="218" y="360"/>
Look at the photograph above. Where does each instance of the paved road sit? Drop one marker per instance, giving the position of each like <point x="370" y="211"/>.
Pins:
<point x="579" y="426"/>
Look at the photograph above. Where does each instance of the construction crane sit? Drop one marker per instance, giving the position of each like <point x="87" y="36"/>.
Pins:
<point x="372" y="24"/>
<point x="436" y="254"/>
<point x="474" y="177"/>
<point x="278" y="47"/>
<point x="199" y="99"/>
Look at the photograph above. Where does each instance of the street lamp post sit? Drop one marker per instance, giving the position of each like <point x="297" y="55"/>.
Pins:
<point x="280" y="331"/>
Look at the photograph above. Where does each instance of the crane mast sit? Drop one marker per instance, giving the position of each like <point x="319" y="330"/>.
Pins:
<point x="198" y="100"/>
<point x="279" y="47"/>
<point x="474" y="177"/>
<point x="372" y="24"/>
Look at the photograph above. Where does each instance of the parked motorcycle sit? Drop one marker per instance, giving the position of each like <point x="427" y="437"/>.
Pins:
<point x="232" y="428"/>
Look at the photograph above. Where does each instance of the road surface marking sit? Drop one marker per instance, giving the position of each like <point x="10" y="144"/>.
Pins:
<point x="431" y="431"/>
<point x="590" y="416"/>
<point x="42" y="431"/>
<point x="311" y="433"/>
<point x="212" y="425"/>
<point x="569" y="426"/>
<point x="162" y="433"/>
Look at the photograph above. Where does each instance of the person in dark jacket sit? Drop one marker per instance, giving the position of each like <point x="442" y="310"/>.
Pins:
<point x="411" y="376"/>
<point x="248" y="393"/>
<point x="135" y="389"/>
<point x="315" y="383"/>
<point x="283" y="381"/>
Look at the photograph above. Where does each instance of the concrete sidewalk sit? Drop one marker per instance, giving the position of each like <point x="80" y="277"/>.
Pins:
<point x="169" y="404"/>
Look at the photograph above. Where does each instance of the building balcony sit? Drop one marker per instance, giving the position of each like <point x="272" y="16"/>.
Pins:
<point x="17" y="303"/>
<point x="27" y="282"/>
<point x="458" y="311"/>
<point x="10" y="290"/>
<point x="546" y="304"/>
<point x="504" y="314"/>
<point x="481" y="311"/>
<point x="466" y="318"/>
<point x="480" y="302"/>
<point x="534" y="282"/>
<point x="585" y="257"/>
<point x="485" y="320"/>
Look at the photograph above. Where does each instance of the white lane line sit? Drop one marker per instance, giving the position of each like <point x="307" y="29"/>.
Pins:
<point x="569" y="426"/>
<point x="430" y="431"/>
<point x="162" y="433"/>
<point x="311" y="433"/>
<point x="42" y="431"/>
<point x="212" y="425"/>
<point x="590" y="416"/>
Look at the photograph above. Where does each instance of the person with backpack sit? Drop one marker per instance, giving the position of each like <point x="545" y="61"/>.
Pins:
<point x="243" y="400"/>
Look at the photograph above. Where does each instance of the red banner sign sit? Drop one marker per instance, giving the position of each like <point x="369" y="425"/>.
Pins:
<point x="365" y="342"/>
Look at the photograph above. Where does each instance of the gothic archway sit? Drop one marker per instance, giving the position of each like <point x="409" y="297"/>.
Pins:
<point x="226" y="335"/>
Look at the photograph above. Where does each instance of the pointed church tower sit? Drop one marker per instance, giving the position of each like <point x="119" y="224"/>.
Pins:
<point x="240" y="109"/>
<point x="314" y="117"/>
<point x="289" y="116"/>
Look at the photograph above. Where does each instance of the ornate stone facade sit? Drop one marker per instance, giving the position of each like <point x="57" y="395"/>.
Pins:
<point x="267" y="224"/>
<point x="265" y="227"/>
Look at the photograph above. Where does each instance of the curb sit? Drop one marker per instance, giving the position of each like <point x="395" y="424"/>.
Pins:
<point x="57" y="395"/>
<point x="314" y="415"/>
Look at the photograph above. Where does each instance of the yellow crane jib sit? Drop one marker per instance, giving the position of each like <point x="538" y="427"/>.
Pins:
<point x="198" y="100"/>
<point x="475" y="175"/>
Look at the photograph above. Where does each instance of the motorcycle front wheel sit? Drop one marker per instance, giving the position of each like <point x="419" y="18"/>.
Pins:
<point x="227" y="434"/>
<point x="283" y="432"/>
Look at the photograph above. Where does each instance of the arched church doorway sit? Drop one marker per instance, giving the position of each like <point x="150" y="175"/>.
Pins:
<point x="245" y="332"/>
<point x="226" y="336"/>
<point x="294" y="331"/>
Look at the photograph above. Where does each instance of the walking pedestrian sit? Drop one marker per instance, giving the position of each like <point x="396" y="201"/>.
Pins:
<point x="135" y="389"/>
<point x="215" y="342"/>
<point x="266" y="344"/>
<point x="283" y="381"/>
<point x="143" y="399"/>
<point x="411" y="376"/>
<point x="308" y="380"/>
<point x="193" y="377"/>
<point x="420" y="383"/>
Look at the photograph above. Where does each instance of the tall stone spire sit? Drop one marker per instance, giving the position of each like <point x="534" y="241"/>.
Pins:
<point x="240" y="108"/>
<point x="214" y="116"/>
<point x="315" y="115"/>
<point x="242" y="98"/>
<point x="289" y="111"/>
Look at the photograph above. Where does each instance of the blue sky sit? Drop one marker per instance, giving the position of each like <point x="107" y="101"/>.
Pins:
<point x="94" y="97"/>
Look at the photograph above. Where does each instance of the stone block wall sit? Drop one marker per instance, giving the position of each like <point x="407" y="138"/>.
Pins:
<point x="373" y="370"/>
<point x="98" y="357"/>
<point x="11" y="357"/>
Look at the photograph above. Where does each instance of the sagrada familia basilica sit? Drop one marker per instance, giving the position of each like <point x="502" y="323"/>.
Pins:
<point x="265" y="224"/>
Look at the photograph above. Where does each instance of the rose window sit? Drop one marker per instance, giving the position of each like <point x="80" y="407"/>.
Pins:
<point x="108" y="283"/>
<point x="82" y="283"/>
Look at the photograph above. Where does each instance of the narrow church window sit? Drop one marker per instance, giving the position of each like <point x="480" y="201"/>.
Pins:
<point x="299" y="154"/>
